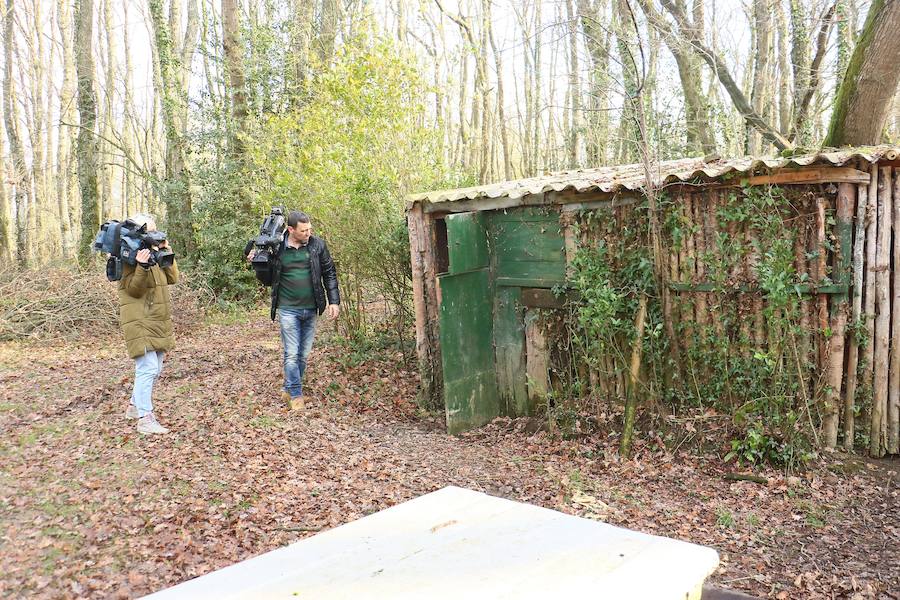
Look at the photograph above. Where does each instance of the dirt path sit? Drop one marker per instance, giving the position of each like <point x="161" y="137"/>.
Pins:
<point x="89" y="508"/>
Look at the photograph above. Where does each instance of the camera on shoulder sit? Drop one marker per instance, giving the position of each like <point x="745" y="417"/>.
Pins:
<point x="266" y="244"/>
<point x="123" y="240"/>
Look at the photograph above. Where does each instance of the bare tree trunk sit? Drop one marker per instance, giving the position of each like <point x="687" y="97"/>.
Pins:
<point x="234" y="61"/>
<point x="696" y="105"/>
<point x="870" y="82"/>
<point x="721" y="70"/>
<point x="21" y="177"/>
<point x="64" y="172"/>
<point x="87" y="141"/>
<point x="784" y="70"/>
<point x="758" y="96"/>
<point x="574" y="85"/>
<point x="597" y="40"/>
<point x="504" y="139"/>
<point x="107" y="120"/>
<point x="7" y="250"/>
<point x="177" y="193"/>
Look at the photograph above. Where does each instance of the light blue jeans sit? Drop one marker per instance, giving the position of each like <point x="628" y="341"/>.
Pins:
<point x="146" y="371"/>
<point x="298" y="328"/>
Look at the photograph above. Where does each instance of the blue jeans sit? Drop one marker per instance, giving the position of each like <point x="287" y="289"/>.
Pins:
<point x="298" y="328"/>
<point x="146" y="371"/>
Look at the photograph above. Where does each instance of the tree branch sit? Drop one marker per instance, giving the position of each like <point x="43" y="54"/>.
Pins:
<point x="721" y="70"/>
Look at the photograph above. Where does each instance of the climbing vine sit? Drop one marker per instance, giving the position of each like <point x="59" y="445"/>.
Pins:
<point x="739" y="334"/>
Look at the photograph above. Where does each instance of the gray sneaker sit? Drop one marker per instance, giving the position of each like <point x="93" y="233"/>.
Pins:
<point x="131" y="412"/>
<point x="148" y="424"/>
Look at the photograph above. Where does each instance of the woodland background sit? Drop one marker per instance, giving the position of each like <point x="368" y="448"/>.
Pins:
<point x="208" y="112"/>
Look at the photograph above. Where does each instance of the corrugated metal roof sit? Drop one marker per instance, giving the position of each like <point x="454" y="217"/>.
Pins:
<point x="631" y="177"/>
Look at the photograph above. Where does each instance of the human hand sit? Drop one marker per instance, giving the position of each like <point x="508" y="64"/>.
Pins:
<point x="252" y="254"/>
<point x="143" y="257"/>
<point x="332" y="311"/>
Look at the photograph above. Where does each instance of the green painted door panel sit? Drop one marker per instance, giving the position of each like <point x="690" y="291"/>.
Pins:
<point x="467" y="349"/>
<point x="527" y="248"/>
<point x="467" y="242"/>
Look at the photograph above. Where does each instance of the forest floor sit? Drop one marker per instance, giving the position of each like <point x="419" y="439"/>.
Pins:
<point x="89" y="508"/>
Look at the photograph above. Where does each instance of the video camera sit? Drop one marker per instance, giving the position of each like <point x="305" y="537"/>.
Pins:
<point x="124" y="240"/>
<point x="266" y="244"/>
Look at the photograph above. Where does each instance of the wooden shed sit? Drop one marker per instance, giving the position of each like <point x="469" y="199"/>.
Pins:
<point x="486" y="260"/>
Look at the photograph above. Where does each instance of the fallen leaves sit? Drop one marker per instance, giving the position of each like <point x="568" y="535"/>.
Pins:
<point x="90" y="509"/>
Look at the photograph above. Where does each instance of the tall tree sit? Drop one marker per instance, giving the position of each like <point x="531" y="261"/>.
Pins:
<point x="721" y="70"/>
<point x="867" y="90"/>
<point x="67" y="113"/>
<point x="699" y="133"/>
<point x="234" y="62"/>
<point x="6" y="228"/>
<point x="87" y="140"/>
<point x="21" y="176"/>
<point x="172" y="79"/>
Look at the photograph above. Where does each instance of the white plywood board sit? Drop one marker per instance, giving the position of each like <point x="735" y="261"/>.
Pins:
<point x="457" y="543"/>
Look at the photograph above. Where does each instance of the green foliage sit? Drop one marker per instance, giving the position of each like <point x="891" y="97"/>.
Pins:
<point x="764" y="386"/>
<point x="347" y="157"/>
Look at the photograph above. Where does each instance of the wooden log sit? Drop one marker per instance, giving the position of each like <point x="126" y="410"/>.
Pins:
<point x="426" y="307"/>
<point x="800" y="266"/>
<point x="691" y="255"/>
<point x="699" y="206"/>
<point x="685" y="313"/>
<point x="893" y="408"/>
<point x="877" y="431"/>
<point x="633" y="371"/>
<point x="821" y="274"/>
<point x="756" y="301"/>
<point x="866" y="378"/>
<point x="839" y="309"/>
<point x="673" y="369"/>
<point x="859" y="242"/>
<point x="711" y="225"/>
<point x="809" y="175"/>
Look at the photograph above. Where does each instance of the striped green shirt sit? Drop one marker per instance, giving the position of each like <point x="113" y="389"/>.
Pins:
<point x="296" y="290"/>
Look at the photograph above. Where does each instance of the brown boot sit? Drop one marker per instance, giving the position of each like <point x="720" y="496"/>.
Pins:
<point x="297" y="403"/>
<point x="286" y="398"/>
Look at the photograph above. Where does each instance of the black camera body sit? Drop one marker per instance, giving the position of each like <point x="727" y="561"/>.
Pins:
<point x="266" y="244"/>
<point x="124" y="240"/>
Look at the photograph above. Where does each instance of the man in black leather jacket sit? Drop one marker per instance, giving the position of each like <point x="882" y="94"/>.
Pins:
<point x="304" y="286"/>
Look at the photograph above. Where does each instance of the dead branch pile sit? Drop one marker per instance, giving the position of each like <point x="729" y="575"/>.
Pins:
<point x="45" y="303"/>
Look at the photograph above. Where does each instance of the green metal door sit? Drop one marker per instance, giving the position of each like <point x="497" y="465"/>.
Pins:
<point x="467" y="348"/>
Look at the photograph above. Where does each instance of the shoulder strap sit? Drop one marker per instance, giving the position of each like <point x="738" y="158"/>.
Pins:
<point x="117" y="239"/>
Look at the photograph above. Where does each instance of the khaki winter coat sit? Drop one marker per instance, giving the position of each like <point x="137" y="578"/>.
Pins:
<point x="145" y="308"/>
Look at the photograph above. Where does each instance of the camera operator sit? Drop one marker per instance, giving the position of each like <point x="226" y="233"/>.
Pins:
<point x="303" y="275"/>
<point x="145" y="312"/>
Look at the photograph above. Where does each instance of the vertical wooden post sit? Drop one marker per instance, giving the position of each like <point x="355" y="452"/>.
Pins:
<point x="883" y="317"/>
<point x="425" y="304"/>
<point x="821" y="272"/>
<point x="835" y="372"/>
<point x="633" y="371"/>
<point x="868" y="351"/>
<point x="711" y="224"/>
<point x="699" y="208"/>
<point x="893" y="407"/>
<point x="800" y="265"/>
<point x="856" y="310"/>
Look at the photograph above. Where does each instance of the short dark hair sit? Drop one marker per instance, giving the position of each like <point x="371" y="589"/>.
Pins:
<point x="295" y="216"/>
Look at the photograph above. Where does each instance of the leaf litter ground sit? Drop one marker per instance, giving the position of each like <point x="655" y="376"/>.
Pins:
<point x="89" y="508"/>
